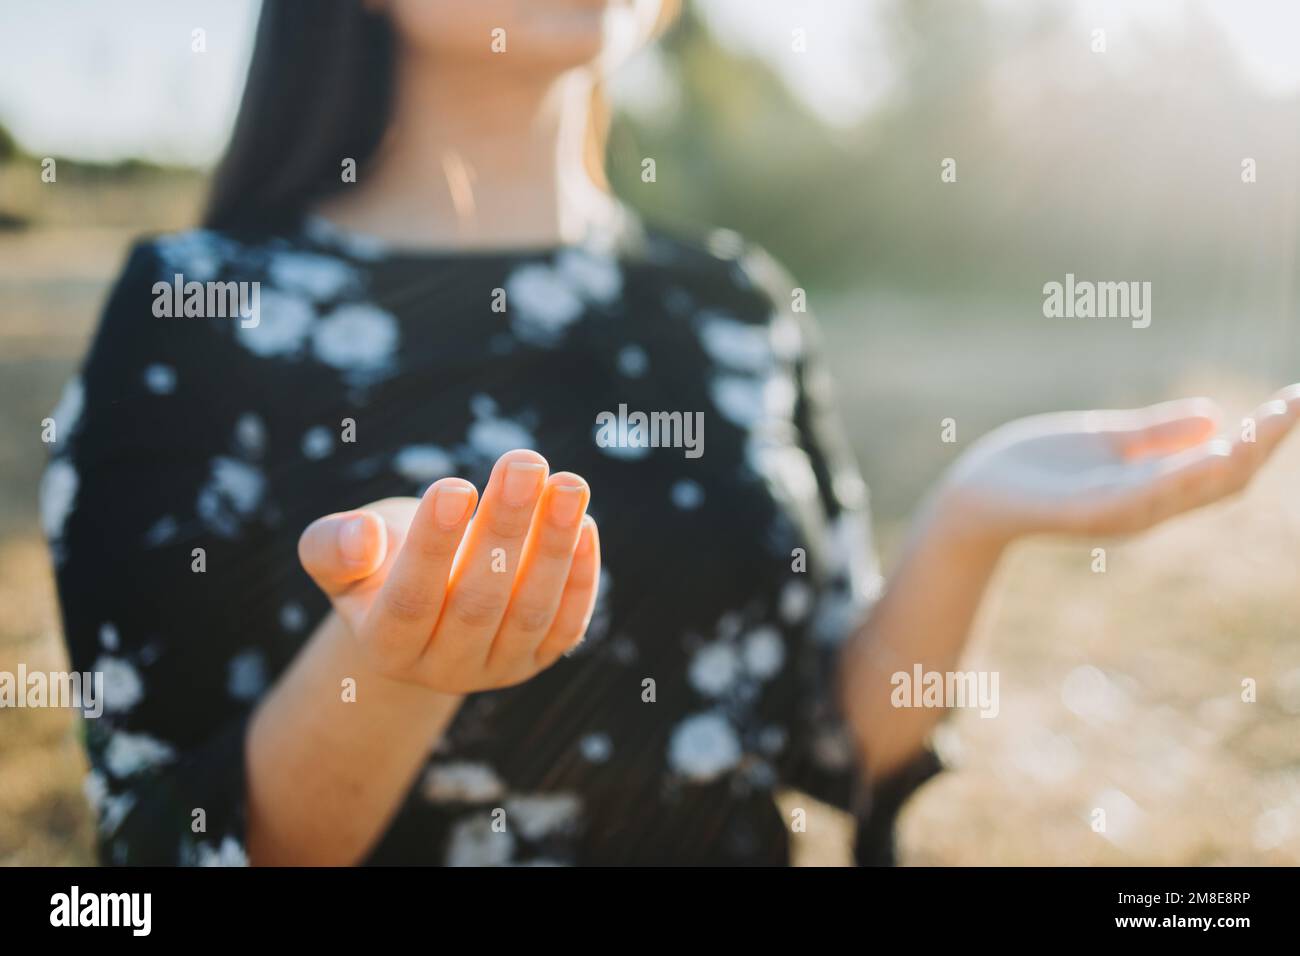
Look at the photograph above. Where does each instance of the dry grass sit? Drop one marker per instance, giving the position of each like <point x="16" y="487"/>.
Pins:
<point x="1119" y="690"/>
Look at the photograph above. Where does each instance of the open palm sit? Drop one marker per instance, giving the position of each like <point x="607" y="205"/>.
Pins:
<point x="1111" y="472"/>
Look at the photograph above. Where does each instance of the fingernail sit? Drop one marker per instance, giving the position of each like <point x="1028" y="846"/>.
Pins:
<point x="566" y="504"/>
<point x="352" y="540"/>
<point x="451" y="504"/>
<point x="588" y="535"/>
<point x="523" y="478"/>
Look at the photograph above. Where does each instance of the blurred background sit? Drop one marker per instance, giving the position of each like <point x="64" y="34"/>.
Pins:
<point x="1121" y="690"/>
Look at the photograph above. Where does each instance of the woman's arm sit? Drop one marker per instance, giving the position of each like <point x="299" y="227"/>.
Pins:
<point x="325" y="775"/>
<point x="1085" y="473"/>
<point x="923" y="618"/>
<point x="422" y="615"/>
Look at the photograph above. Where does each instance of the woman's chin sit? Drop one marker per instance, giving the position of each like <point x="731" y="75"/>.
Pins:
<point x="563" y="39"/>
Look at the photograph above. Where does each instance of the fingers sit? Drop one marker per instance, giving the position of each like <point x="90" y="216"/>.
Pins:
<point x="1198" y="475"/>
<point x="482" y="579"/>
<point x="543" y="570"/>
<point x="341" y="549"/>
<point x="1272" y="421"/>
<point x="578" y="600"/>
<point x="402" y="619"/>
<point x="1165" y="428"/>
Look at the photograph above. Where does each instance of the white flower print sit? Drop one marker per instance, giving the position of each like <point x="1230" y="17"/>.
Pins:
<point x="835" y="617"/>
<point x="284" y="322"/>
<point x="771" y="739"/>
<point x="739" y="399"/>
<point x="627" y="445"/>
<point x="763" y="653"/>
<point x="596" y="748"/>
<point x="197" y="254"/>
<point x="292" y="617"/>
<point x="250" y="433"/>
<point x="786" y="338"/>
<point x="795" y="602"/>
<point x="317" y="443"/>
<point x="703" y="747"/>
<point x="233" y="492"/>
<point x="129" y="754"/>
<point x="423" y="464"/>
<point x="110" y="810"/>
<point x="315" y="276"/>
<point x="541" y="304"/>
<point x="623" y="650"/>
<point x="747" y="401"/>
<point x="67" y="412"/>
<point x="58" y="493"/>
<point x="358" y="338"/>
<point x="160" y="379"/>
<point x="108" y="637"/>
<point x="714" y="669"/>
<point x="114" y="811"/>
<point x="544" y="300"/>
<point x="725" y="243"/>
<point x="832" y="748"/>
<point x="730" y="625"/>
<point x="473" y="842"/>
<point x="858" y="583"/>
<point x="540" y="815"/>
<point x="123" y="687"/>
<point x="784" y="466"/>
<point x="854" y="558"/>
<point x="461" y="782"/>
<point x="632" y="361"/>
<point x="687" y="494"/>
<point x="246" y="675"/>
<point x="595" y="274"/>
<point x="736" y="345"/>
<point x="229" y="853"/>
<point x="358" y="245"/>
<point x="95" y="789"/>
<point x="161" y="531"/>
<point x="491" y="437"/>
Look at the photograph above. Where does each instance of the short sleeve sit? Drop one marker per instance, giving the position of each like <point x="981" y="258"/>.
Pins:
<point x="142" y="472"/>
<point x="823" y="760"/>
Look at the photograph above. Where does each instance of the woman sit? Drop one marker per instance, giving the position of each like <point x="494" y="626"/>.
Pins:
<point x="407" y="680"/>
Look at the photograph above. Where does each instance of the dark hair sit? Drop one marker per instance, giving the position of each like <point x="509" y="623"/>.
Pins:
<point x="319" y="91"/>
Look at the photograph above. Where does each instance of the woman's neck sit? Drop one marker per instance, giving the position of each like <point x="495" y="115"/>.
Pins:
<point x="478" y="158"/>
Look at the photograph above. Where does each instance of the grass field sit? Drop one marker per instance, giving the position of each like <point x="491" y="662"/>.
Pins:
<point x="1119" y="690"/>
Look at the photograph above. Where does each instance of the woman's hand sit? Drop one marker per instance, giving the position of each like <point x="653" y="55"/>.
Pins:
<point x="457" y="605"/>
<point x="1100" y="473"/>
<point x="1105" y="472"/>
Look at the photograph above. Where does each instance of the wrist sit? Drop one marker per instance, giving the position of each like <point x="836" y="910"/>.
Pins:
<point x="951" y="522"/>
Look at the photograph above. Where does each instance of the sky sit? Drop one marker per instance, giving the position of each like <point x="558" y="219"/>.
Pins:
<point x="107" y="81"/>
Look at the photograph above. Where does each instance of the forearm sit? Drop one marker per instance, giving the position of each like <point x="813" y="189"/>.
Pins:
<point x="923" y="617"/>
<point x="326" y="774"/>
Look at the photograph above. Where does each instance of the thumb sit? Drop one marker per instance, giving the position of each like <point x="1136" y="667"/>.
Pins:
<point x="341" y="549"/>
<point x="1168" y="427"/>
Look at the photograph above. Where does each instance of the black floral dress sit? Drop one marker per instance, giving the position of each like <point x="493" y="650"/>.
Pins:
<point x="193" y="450"/>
